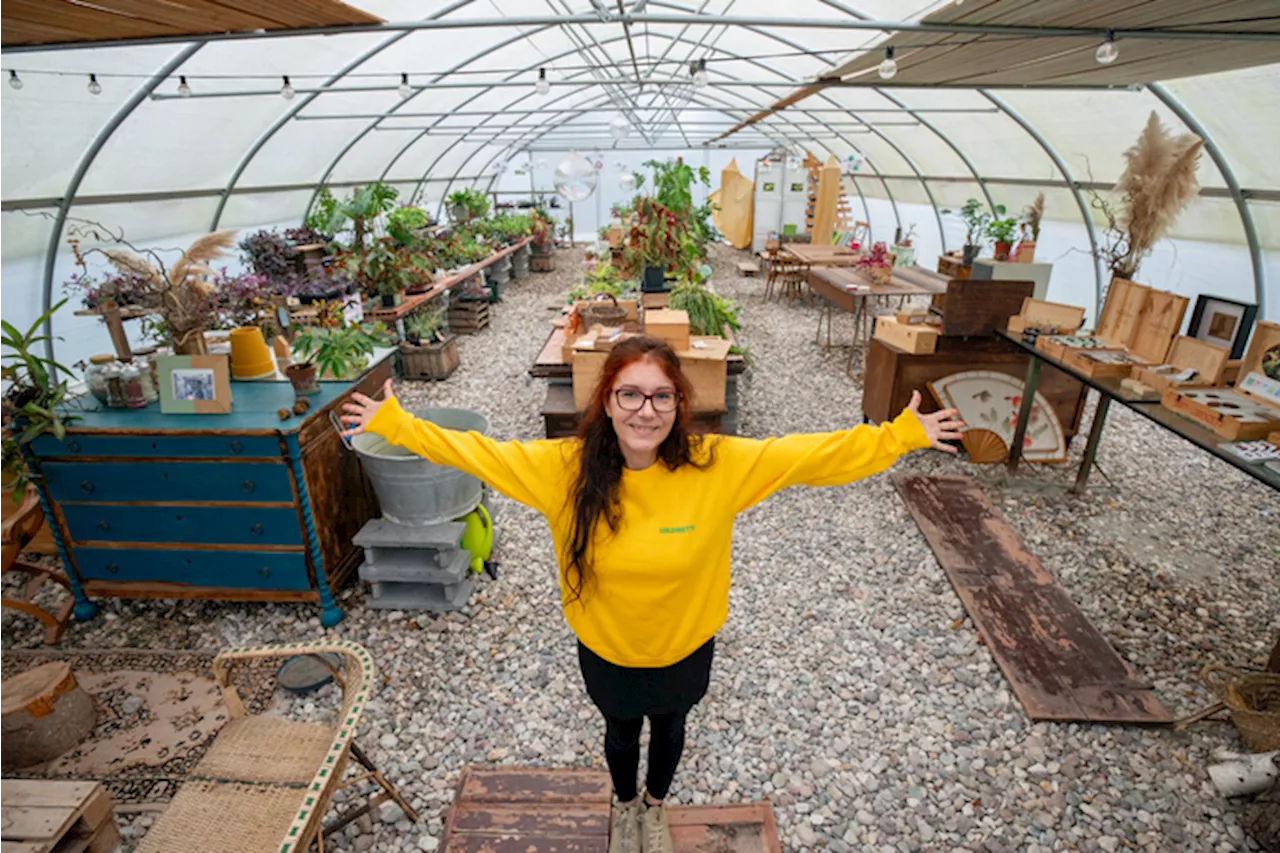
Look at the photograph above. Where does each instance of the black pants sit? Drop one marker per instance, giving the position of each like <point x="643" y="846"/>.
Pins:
<point x="622" y="751"/>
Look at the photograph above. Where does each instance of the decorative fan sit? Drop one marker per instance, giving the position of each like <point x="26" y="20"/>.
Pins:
<point x="984" y="446"/>
<point x="989" y="401"/>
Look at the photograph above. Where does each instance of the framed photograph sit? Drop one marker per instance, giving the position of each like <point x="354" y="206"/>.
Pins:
<point x="1224" y="322"/>
<point x="194" y="384"/>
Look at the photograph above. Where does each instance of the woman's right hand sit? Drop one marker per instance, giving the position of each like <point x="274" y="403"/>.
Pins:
<point x="359" y="412"/>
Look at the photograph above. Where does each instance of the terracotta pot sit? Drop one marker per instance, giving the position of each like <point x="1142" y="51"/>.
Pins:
<point x="1003" y="250"/>
<point x="303" y="379"/>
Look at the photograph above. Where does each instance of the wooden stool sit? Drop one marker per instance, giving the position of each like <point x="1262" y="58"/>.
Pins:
<point x="747" y="269"/>
<point x="23" y="524"/>
<point x="43" y="713"/>
<point x="45" y="816"/>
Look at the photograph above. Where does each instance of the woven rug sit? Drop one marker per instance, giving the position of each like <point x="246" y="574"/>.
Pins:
<point x="158" y="712"/>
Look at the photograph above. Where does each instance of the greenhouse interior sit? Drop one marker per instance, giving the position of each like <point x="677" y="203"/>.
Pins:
<point x="696" y="426"/>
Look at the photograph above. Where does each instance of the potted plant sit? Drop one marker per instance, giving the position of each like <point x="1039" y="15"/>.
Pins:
<point x="468" y="204"/>
<point x="1029" y="230"/>
<point x="976" y="220"/>
<point x="1002" y="232"/>
<point x="653" y="244"/>
<point x="338" y="352"/>
<point x="876" y="264"/>
<point x="904" y="252"/>
<point x="428" y="352"/>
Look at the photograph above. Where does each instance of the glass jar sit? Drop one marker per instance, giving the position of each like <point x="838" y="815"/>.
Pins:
<point x="94" y="379"/>
<point x="131" y="376"/>
<point x="112" y="374"/>
<point x="147" y="372"/>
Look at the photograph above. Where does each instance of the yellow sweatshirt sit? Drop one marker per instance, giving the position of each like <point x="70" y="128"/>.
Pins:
<point x="662" y="581"/>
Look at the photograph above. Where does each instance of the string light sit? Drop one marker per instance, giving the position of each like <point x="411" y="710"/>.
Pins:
<point x="286" y="91"/>
<point x="888" y="67"/>
<point x="183" y="89"/>
<point x="699" y="70"/>
<point x="95" y="88"/>
<point x="15" y="82"/>
<point x="1107" y="52"/>
<point x="405" y="89"/>
<point x="543" y="86"/>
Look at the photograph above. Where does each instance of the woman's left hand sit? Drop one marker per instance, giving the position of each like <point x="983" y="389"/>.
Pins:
<point x="939" y="426"/>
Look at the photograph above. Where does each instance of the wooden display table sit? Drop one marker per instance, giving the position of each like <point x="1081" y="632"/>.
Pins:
<point x="241" y="506"/>
<point x="51" y="817"/>
<point x="819" y="255"/>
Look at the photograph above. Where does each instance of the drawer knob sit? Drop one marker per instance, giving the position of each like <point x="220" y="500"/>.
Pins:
<point x="103" y="526"/>
<point x="256" y="530"/>
<point x="86" y="487"/>
<point x="248" y="487"/>
<point x="235" y="447"/>
<point x="264" y="572"/>
<point x="73" y="446"/>
<point x="112" y="568"/>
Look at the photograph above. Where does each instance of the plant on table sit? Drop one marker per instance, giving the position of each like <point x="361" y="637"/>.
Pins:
<point x="33" y="398"/>
<point x="544" y="235"/>
<point x="1002" y="231"/>
<point x="341" y="351"/>
<point x="876" y="263"/>
<point x="360" y="211"/>
<point x="976" y="219"/>
<point x="1032" y="216"/>
<point x="604" y="277"/>
<point x="654" y="240"/>
<point x="425" y="328"/>
<point x="242" y="298"/>
<point x="269" y="254"/>
<point x="709" y="314"/>
<point x="405" y="224"/>
<point x="468" y="204"/>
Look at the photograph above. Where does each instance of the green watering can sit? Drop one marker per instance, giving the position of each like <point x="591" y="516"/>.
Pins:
<point x="478" y="537"/>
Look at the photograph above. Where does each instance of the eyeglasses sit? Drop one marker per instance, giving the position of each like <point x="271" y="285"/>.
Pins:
<point x="633" y="400"/>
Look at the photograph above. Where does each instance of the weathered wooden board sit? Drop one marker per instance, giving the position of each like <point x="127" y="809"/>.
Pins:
<point x="742" y="828"/>
<point x="1059" y="666"/>
<point x="533" y="785"/>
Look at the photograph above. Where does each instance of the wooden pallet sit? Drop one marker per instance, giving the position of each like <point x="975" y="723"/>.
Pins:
<point x="467" y="318"/>
<point x="541" y="810"/>
<point x="1058" y="665"/>
<point x="45" y="816"/>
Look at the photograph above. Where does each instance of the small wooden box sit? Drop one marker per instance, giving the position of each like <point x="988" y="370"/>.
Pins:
<point x="953" y="266"/>
<point x="1140" y="319"/>
<point x="1097" y="364"/>
<point x="1274" y="438"/>
<point x="705" y="364"/>
<point x="1209" y="361"/>
<point x="1252" y="410"/>
<point x="632" y="307"/>
<point x="1057" y="346"/>
<point x="980" y="307"/>
<point x="587" y="367"/>
<point x="915" y="338"/>
<point x="655" y="300"/>
<point x="1038" y="314"/>
<point x="670" y="326"/>
<point x="912" y="318"/>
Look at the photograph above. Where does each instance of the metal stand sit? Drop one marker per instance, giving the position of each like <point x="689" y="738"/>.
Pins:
<point x="1024" y="413"/>
<point x="1091" y="448"/>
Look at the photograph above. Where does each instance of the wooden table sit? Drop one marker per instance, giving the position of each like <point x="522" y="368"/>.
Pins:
<point x="41" y="816"/>
<point x="848" y="290"/>
<point x="819" y="255"/>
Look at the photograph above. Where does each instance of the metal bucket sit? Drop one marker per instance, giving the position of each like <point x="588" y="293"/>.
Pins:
<point x="412" y="490"/>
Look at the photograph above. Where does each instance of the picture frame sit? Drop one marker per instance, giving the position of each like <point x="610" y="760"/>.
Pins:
<point x="194" y="384"/>
<point x="1221" y="321"/>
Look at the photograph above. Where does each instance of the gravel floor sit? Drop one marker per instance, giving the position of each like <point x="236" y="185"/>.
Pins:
<point x="849" y="689"/>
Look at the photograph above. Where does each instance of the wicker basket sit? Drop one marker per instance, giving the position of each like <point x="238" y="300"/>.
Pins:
<point x="1254" y="701"/>
<point x="598" y="312"/>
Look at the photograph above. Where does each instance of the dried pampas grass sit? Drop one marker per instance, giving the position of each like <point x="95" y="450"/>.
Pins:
<point x="1032" y="215"/>
<point x="1158" y="182"/>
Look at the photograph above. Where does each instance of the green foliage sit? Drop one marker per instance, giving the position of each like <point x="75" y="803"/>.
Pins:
<point x="673" y="182"/>
<point x="708" y="312"/>
<point x="425" y="326"/>
<point x="340" y="351"/>
<point x="361" y="209"/>
<point x="1003" y="230"/>
<point x="388" y="268"/>
<point x="977" y="220"/>
<point x="472" y="204"/>
<point x="604" y="277"/>
<point x="32" y="398"/>
<point x="402" y="222"/>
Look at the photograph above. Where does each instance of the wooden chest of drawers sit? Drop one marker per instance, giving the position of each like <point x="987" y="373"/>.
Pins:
<point x="241" y="506"/>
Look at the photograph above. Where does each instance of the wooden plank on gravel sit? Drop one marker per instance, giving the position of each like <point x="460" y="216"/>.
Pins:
<point x="1058" y="664"/>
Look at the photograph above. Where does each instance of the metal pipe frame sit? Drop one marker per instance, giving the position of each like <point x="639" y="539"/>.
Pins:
<point x="1180" y="34"/>
<point x="1233" y="186"/>
<point x="744" y="111"/>
<point x="82" y="168"/>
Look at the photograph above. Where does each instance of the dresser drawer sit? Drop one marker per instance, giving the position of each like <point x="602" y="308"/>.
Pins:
<point x="202" y="524"/>
<point x="214" y="446"/>
<point x="154" y="482"/>
<point x="235" y="569"/>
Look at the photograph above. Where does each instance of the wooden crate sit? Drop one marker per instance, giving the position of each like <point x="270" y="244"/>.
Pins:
<point x="467" y="318"/>
<point x="953" y="266"/>
<point x="44" y="816"/>
<point x="1208" y="360"/>
<point x="655" y="300"/>
<point x="1099" y="364"/>
<point x="668" y="325"/>
<point x="914" y="338"/>
<point x="980" y="307"/>
<point x="436" y="361"/>
<point x="705" y="366"/>
<point x="542" y="263"/>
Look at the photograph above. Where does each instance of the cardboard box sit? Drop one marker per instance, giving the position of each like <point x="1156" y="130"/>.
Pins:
<point x="915" y="338"/>
<point x="655" y="300"/>
<point x="1208" y="360"/>
<point x="670" y="326"/>
<point x="705" y="364"/>
<point x="587" y="367"/>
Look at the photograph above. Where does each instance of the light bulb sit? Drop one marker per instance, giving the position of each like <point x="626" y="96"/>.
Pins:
<point x="543" y="86"/>
<point x="183" y="89"/>
<point x="619" y="128"/>
<point x="95" y="88"/>
<point x="286" y="91"/>
<point x="888" y="66"/>
<point x="1107" y="52"/>
<point x="15" y="82"/>
<point x="405" y="89"/>
<point x="700" y="74"/>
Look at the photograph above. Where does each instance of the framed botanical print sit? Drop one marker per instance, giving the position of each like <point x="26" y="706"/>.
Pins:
<point x="1224" y="322"/>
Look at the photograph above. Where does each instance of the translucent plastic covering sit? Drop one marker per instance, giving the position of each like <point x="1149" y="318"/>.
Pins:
<point x="236" y="153"/>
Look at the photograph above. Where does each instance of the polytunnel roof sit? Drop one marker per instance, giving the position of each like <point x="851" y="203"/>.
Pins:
<point x="434" y="94"/>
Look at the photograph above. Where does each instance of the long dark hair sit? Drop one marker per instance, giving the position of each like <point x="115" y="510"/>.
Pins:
<point x="595" y="491"/>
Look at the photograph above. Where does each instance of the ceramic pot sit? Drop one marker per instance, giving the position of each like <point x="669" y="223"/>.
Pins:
<point x="250" y="356"/>
<point x="303" y="378"/>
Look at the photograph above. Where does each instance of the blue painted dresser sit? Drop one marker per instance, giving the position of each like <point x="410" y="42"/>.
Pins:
<point x="242" y="506"/>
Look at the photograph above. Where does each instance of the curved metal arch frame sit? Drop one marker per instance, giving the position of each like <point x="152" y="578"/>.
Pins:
<point x="289" y="114"/>
<point x="1228" y="175"/>
<point x="82" y="168"/>
<point x="817" y="120"/>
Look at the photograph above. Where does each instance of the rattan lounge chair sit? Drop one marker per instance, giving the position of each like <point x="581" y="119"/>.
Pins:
<point x="266" y="783"/>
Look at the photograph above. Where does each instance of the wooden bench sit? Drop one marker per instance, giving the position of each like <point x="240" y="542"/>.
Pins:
<point x="46" y="816"/>
<point x="748" y="269"/>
